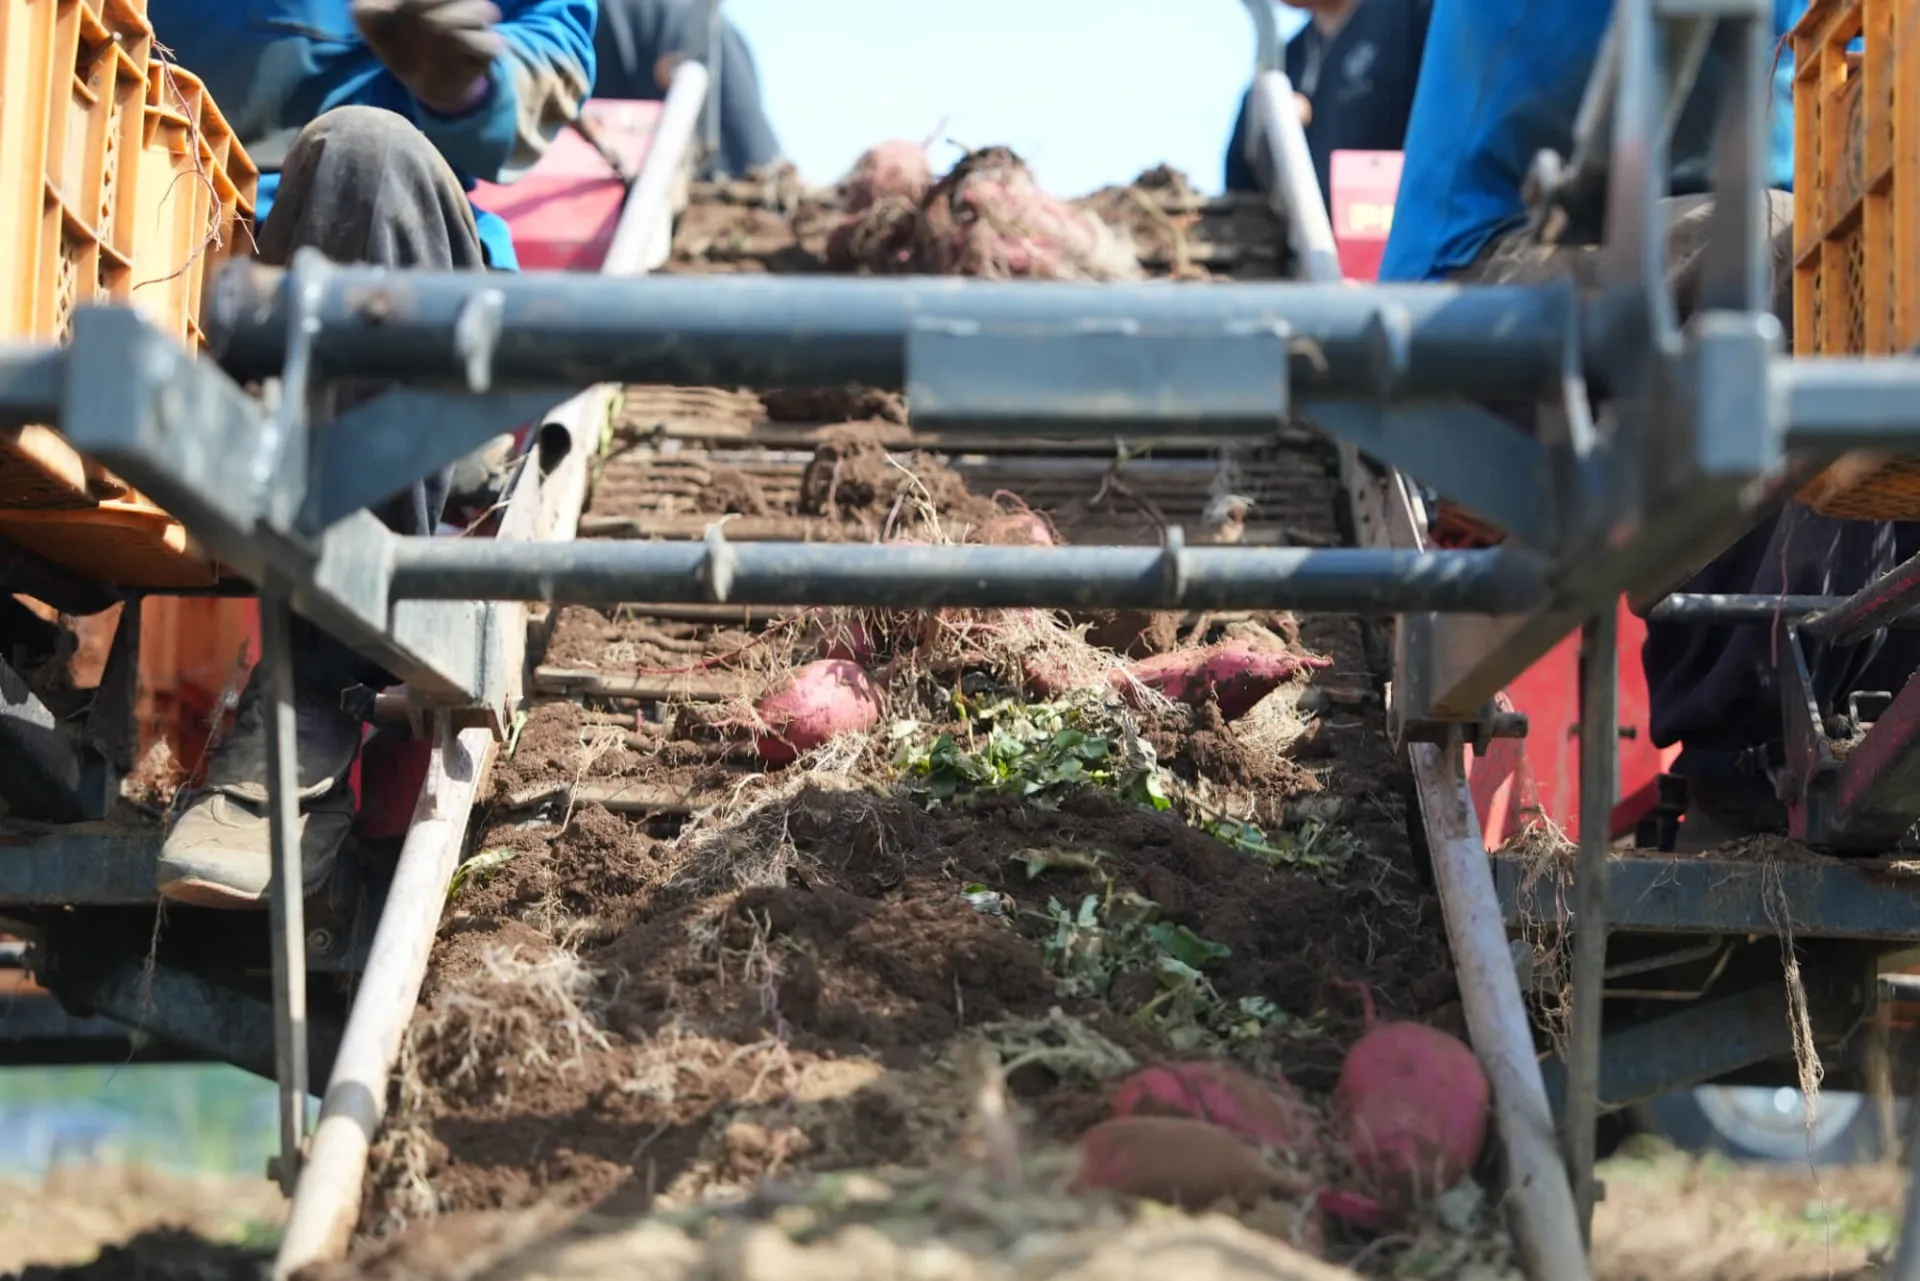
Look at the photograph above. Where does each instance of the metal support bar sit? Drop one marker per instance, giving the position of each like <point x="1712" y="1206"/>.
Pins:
<point x="225" y="1023"/>
<point x="1391" y="342"/>
<point x="287" y="891"/>
<point x="1701" y="1042"/>
<point x="1850" y="899"/>
<point x="1598" y="763"/>
<point x="1831" y="405"/>
<point x="1269" y="51"/>
<point x="1873" y="607"/>
<point x="646" y="220"/>
<point x="1701" y="609"/>
<point x="1339" y="580"/>
<point x="1875" y="796"/>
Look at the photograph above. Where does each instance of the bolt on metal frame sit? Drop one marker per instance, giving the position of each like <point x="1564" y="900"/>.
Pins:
<point x="1663" y="470"/>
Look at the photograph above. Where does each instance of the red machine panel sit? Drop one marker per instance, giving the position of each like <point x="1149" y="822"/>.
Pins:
<point x="564" y="211"/>
<point x="1538" y="776"/>
<point x="1365" y="184"/>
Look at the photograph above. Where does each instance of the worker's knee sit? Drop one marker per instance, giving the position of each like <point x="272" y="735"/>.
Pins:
<point x="368" y="133"/>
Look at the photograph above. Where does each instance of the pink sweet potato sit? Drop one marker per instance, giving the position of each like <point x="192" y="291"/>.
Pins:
<point x="1179" y="1161"/>
<point x="1236" y="675"/>
<point x="893" y="170"/>
<point x="823" y="700"/>
<point x="1412" y="1103"/>
<point x="1224" y="1096"/>
<point x="1015" y="529"/>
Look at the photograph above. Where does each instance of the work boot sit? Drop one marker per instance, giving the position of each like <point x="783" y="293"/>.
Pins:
<point x="220" y="852"/>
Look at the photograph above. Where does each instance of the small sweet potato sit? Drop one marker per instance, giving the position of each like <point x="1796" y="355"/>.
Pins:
<point x="1224" y="1096"/>
<point x="1015" y="529"/>
<point x="1182" y="1162"/>
<point x="822" y="701"/>
<point x="898" y="170"/>
<point x="1412" y="1104"/>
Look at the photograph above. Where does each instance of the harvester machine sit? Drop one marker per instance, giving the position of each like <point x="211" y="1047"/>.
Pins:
<point x="1685" y="967"/>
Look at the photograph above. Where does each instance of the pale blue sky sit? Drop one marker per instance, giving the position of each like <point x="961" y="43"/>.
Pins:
<point x="1090" y="92"/>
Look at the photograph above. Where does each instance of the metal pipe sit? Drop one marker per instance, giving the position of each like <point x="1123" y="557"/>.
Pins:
<point x="326" y="1203"/>
<point x="1543" y="1211"/>
<point x="1888" y="597"/>
<point x="1269" y="50"/>
<point x="1835" y="404"/>
<point x="710" y="114"/>
<point x="648" y="212"/>
<point x="1429" y="340"/>
<point x="1336" y="580"/>
<point x="1598" y="760"/>
<point x="1700" y="609"/>
<point x="286" y="890"/>
<point x="1296" y="195"/>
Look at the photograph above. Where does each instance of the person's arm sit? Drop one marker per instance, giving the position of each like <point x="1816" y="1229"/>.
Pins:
<point x="536" y="84"/>
<point x="495" y="83"/>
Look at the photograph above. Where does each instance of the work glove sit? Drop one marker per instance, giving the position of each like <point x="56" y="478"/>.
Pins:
<point x="439" y="49"/>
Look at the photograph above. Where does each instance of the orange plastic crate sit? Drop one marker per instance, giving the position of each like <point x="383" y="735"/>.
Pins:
<point x="1856" y="217"/>
<point x="118" y="181"/>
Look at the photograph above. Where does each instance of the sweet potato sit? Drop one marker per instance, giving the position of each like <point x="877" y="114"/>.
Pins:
<point x="822" y="701"/>
<point x="848" y="640"/>
<point x="1412" y="1103"/>
<point x="1236" y="675"/>
<point x="1224" y="1096"/>
<point x="1015" y="529"/>
<point x="988" y="217"/>
<point x="893" y="170"/>
<point x="1182" y="1162"/>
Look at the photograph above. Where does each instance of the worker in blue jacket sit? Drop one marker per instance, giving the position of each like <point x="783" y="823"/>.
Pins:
<point x="1502" y="80"/>
<point x="640" y="42"/>
<point x="370" y="120"/>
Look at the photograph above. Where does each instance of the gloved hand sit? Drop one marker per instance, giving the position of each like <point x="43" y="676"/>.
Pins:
<point x="439" y="49"/>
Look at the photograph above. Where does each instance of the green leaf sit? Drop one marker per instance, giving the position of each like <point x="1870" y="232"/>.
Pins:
<point x="478" y="870"/>
<point x="1183" y="945"/>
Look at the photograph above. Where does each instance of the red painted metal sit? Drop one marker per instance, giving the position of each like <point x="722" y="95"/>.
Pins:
<point x="1365" y="184"/>
<point x="1518" y="780"/>
<point x="563" y="212"/>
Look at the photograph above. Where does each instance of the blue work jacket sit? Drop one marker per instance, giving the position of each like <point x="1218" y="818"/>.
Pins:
<point x="1502" y="80"/>
<point x="275" y="65"/>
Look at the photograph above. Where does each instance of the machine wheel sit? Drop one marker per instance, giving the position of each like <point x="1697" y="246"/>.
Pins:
<point x="1753" y="1123"/>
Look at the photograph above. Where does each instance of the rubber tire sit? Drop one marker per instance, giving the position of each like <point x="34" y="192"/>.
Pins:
<point x="1683" y="1120"/>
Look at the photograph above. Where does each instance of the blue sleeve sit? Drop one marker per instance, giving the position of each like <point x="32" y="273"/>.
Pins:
<point x="548" y="68"/>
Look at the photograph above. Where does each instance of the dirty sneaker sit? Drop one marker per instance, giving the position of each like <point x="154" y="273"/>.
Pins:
<point x="219" y="853"/>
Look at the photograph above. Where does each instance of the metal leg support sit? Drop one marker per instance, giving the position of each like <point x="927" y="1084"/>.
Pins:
<point x="288" y="925"/>
<point x="1598" y="744"/>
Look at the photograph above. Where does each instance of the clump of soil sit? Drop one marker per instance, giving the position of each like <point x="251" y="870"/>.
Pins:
<point x="853" y="476"/>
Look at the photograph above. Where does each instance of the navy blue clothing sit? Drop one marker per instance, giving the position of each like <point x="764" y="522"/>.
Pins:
<point x="1360" y="80"/>
<point x="1503" y="81"/>
<point x="635" y="34"/>
<point x="275" y="65"/>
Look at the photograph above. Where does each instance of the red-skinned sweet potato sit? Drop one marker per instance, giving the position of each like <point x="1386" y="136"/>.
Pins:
<point x="1179" y="1161"/>
<point x="898" y="169"/>
<point x="822" y="701"/>
<point x="1412" y="1104"/>
<point x="1237" y="675"/>
<point x="1224" y="1096"/>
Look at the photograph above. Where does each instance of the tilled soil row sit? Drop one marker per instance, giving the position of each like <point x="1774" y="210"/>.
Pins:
<point x="670" y="974"/>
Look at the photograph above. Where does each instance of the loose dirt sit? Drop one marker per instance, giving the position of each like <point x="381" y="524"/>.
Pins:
<point x="123" y="1221"/>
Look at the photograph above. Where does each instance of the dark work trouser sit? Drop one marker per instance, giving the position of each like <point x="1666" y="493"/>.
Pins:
<point x="1714" y="689"/>
<point x="364" y="185"/>
<point x="631" y="36"/>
